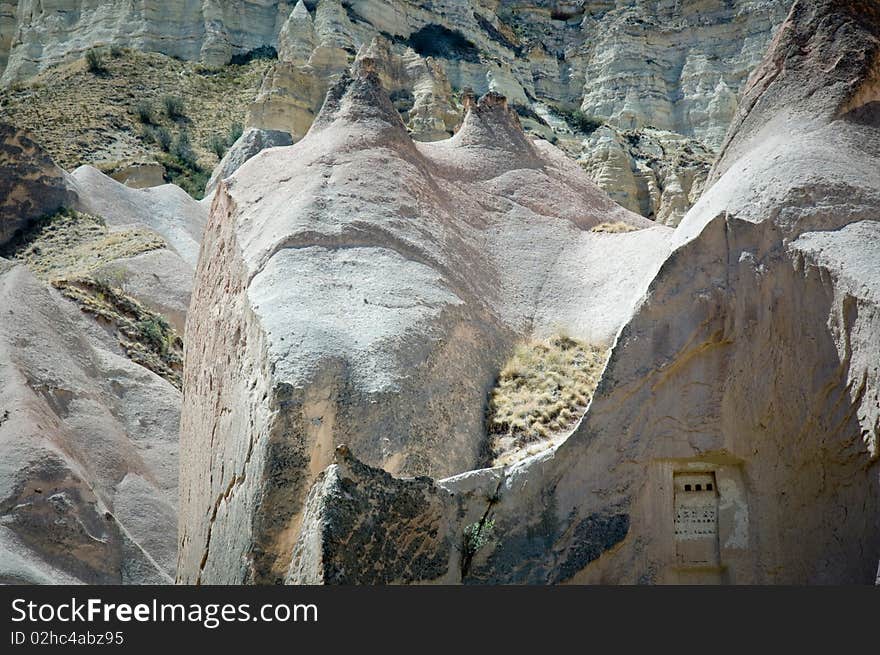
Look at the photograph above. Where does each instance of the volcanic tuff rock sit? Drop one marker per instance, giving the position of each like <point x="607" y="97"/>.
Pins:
<point x="735" y="434"/>
<point x="674" y="67"/>
<point x="88" y="437"/>
<point x="250" y="143"/>
<point x="677" y="67"/>
<point x="360" y="287"/>
<point x="88" y="445"/>
<point x="37" y="33"/>
<point x="31" y="185"/>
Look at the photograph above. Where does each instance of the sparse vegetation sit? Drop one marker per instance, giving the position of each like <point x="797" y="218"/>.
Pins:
<point x="235" y="132"/>
<point x="145" y="336"/>
<point x="183" y="169"/>
<point x="163" y="138"/>
<point x="579" y="121"/>
<point x="541" y="394"/>
<point x="174" y="107"/>
<point x="144" y="111"/>
<point x="263" y="52"/>
<point x="70" y="244"/>
<point x="95" y="62"/>
<point x="616" y="227"/>
<point x="71" y="108"/>
<point x="182" y="149"/>
<point x="217" y="145"/>
<point x="75" y="253"/>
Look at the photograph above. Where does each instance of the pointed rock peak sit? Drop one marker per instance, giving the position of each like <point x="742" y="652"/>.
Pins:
<point x="490" y="123"/>
<point x="358" y="97"/>
<point x="297" y="39"/>
<point x="823" y="62"/>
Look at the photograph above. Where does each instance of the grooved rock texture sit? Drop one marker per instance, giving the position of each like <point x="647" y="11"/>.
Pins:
<point x="672" y="66"/>
<point x="31" y="185"/>
<point x="734" y="436"/>
<point x="88" y="445"/>
<point x="363" y="288"/>
<point x="39" y="33"/>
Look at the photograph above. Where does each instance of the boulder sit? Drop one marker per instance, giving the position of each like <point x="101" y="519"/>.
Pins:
<point x="31" y="185"/>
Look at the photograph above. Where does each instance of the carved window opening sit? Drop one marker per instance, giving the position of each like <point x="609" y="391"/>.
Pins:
<point x="696" y="519"/>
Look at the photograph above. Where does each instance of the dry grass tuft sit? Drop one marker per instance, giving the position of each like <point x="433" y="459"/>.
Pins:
<point x="617" y="227"/>
<point x="540" y="395"/>
<point x="67" y="249"/>
<point x="71" y="244"/>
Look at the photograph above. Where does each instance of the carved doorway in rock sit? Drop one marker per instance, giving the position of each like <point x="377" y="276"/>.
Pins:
<point x="696" y="520"/>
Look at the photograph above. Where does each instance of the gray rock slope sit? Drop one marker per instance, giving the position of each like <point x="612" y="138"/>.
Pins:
<point x="88" y="446"/>
<point x="362" y="288"/>
<point x="734" y="434"/>
<point x="89" y="438"/>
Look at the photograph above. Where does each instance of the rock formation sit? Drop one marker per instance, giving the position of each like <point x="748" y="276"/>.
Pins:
<point x="31" y="185"/>
<point x="733" y="436"/>
<point x="37" y="34"/>
<point x="250" y="143"/>
<point x="369" y="287"/>
<point x="673" y="67"/>
<point x="89" y="298"/>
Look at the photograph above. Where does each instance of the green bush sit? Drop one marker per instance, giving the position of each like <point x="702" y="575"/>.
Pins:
<point x="163" y="138"/>
<point x="144" y="111"/>
<point x="95" y="62"/>
<point x="580" y="121"/>
<point x="182" y="149"/>
<point x="153" y="332"/>
<point x="217" y="145"/>
<point x="235" y="132"/>
<point x="174" y="107"/>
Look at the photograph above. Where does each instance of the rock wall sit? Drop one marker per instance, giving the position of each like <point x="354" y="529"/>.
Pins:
<point x="40" y="33"/>
<point x="673" y="67"/>
<point x="88" y="481"/>
<point x="734" y="435"/>
<point x="363" y="288"/>
<point x="88" y="431"/>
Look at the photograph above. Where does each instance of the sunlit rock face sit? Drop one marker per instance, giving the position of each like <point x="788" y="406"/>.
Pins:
<point x="734" y="435"/>
<point x="362" y="288"/>
<point x="673" y="67"/>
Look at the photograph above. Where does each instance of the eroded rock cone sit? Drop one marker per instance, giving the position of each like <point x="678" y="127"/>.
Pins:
<point x="361" y="288"/>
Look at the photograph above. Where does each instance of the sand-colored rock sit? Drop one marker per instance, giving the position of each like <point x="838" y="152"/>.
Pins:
<point x="89" y="447"/>
<point x="369" y="287"/>
<point x="734" y="435"/>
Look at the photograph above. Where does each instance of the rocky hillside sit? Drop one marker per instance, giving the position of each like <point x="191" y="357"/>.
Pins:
<point x="95" y="279"/>
<point x="735" y="417"/>
<point x="480" y="292"/>
<point x="663" y="79"/>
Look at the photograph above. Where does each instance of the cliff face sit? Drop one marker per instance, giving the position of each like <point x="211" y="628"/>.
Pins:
<point x="734" y="434"/>
<point x="565" y="67"/>
<point x="368" y="289"/>
<point x="38" y="33"/>
<point x="94" y="286"/>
